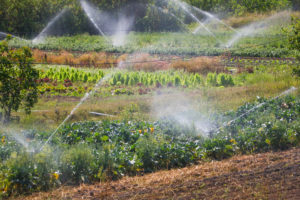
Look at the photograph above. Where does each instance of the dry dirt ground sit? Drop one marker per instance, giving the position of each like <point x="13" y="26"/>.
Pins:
<point x="273" y="175"/>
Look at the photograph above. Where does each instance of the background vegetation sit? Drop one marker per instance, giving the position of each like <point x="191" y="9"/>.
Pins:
<point x="37" y="13"/>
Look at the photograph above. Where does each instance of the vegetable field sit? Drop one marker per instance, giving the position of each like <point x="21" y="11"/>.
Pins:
<point x="105" y="95"/>
<point x="89" y="151"/>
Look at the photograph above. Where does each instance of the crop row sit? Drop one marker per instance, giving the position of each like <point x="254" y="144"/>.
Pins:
<point x="171" y="79"/>
<point x="168" y="43"/>
<point x="68" y="73"/>
<point x="234" y="61"/>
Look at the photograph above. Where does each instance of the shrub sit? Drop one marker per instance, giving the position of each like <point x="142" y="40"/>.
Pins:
<point x="108" y="168"/>
<point x="25" y="173"/>
<point x="146" y="148"/>
<point x="77" y="164"/>
<point x="218" y="148"/>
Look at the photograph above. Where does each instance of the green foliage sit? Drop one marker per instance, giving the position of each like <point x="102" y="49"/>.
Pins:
<point x="18" y="80"/>
<point x="149" y="18"/>
<point x="211" y="79"/>
<point x="238" y="8"/>
<point x="294" y="34"/>
<point x="77" y="164"/>
<point x="24" y="173"/>
<point x="19" y="174"/>
<point x="146" y="148"/>
<point x="275" y="45"/>
<point x="93" y="151"/>
<point x="178" y="79"/>
<point x="224" y="80"/>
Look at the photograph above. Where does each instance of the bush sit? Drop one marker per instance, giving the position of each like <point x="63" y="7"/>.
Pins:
<point x="218" y="148"/>
<point x="18" y="174"/>
<point x="24" y="173"/>
<point x="77" y="165"/>
<point x="145" y="148"/>
<point x="294" y="34"/>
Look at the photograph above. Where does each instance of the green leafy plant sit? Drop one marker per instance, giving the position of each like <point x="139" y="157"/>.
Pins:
<point x="18" y="80"/>
<point x="77" y="164"/>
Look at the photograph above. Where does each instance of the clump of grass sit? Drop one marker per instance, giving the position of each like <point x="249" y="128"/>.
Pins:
<point x="202" y="65"/>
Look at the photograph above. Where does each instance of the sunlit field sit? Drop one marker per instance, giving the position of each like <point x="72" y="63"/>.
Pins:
<point x="128" y="95"/>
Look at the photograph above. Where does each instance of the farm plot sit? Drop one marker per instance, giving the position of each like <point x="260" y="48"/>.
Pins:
<point x="130" y="148"/>
<point x="171" y="44"/>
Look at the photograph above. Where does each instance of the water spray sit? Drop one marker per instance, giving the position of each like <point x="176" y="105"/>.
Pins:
<point x="6" y="34"/>
<point x="254" y="27"/>
<point x="173" y="15"/>
<point x="292" y="89"/>
<point x="184" y="6"/>
<point x="88" y="11"/>
<point x="87" y="95"/>
<point x="211" y="16"/>
<point x="44" y="33"/>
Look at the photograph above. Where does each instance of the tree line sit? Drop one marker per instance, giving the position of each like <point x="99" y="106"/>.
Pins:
<point x="28" y="17"/>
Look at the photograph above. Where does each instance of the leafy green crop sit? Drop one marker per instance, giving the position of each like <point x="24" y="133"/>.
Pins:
<point x="168" y="78"/>
<point x="275" y="45"/>
<point x="108" y="150"/>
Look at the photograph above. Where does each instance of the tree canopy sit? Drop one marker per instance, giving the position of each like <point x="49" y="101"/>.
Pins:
<point x="18" y="80"/>
<point x="29" y="17"/>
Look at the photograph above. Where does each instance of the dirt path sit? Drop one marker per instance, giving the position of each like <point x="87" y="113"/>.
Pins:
<point x="261" y="176"/>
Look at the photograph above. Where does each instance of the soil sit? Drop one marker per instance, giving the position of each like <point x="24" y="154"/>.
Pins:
<point x="274" y="175"/>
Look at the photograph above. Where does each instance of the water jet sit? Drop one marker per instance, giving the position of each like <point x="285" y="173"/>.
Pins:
<point x="38" y="39"/>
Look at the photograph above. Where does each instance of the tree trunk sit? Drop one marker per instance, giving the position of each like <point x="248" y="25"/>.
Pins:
<point x="6" y="117"/>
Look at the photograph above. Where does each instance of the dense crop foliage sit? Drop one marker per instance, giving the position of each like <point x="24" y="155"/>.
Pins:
<point x="89" y="151"/>
<point x="69" y="81"/>
<point x="171" y="43"/>
<point x="68" y="73"/>
<point x="294" y="34"/>
<point x="170" y="78"/>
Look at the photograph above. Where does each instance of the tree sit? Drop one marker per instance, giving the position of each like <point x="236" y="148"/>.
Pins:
<point x="18" y="80"/>
<point x="294" y="34"/>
